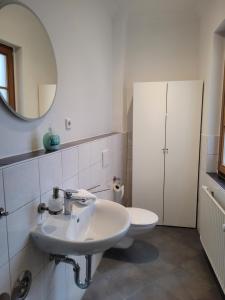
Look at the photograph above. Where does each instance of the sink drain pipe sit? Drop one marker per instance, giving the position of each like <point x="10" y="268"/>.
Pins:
<point x="76" y="268"/>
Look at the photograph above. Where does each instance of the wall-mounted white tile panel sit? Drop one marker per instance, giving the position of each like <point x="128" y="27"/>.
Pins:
<point x="21" y="184"/>
<point x="84" y="156"/>
<point x="37" y="288"/>
<point x="70" y="163"/>
<point x="213" y="144"/>
<point x="19" y="225"/>
<point x="44" y="199"/>
<point x="3" y="242"/>
<point x="96" y="149"/>
<point x="106" y="156"/>
<point x="85" y="179"/>
<point x="71" y="183"/>
<point x="29" y="258"/>
<point x="106" y="195"/>
<point x="211" y="163"/>
<point x="55" y="282"/>
<point x="2" y="203"/>
<point x="4" y="279"/>
<point x="50" y="172"/>
<point x="96" y="175"/>
<point x="118" y="141"/>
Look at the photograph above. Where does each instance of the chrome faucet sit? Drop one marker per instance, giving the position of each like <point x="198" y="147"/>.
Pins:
<point x="68" y="200"/>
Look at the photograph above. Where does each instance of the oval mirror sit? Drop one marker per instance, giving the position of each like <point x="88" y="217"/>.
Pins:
<point x="28" y="73"/>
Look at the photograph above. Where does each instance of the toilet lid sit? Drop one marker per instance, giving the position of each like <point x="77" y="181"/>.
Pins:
<point x="142" y="217"/>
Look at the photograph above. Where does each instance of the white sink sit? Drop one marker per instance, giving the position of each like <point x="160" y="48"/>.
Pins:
<point x="88" y="230"/>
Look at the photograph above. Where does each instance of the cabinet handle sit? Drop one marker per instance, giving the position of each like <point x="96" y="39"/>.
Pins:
<point x="3" y="213"/>
<point x="165" y="150"/>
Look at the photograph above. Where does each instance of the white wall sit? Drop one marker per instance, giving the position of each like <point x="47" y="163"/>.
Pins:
<point x="81" y="34"/>
<point x="153" y="41"/>
<point x="161" y="43"/>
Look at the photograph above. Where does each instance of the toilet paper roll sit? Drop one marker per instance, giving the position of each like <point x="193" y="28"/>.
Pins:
<point x="118" y="191"/>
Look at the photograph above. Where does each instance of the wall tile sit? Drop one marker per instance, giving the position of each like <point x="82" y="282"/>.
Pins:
<point x="106" y="195"/>
<point x="203" y="162"/>
<point x="37" y="288"/>
<point x="96" y="149"/>
<point x="118" y="157"/>
<point x="20" y="224"/>
<point x="55" y="281"/>
<point x="213" y="145"/>
<point x="3" y="242"/>
<point x="3" y="229"/>
<point x="204" y="144"/>
<point x="50" y="172"/>
<point x="96" y="173"/>
<point x="84" y="156"/>
<point x="85" y="179"/>
<point x="44" y="199"/>
<point x="72" y="183"/>
<point x="21" y="184"/>
<point x="2" y="203"/>
<point x="29" y="258"/>
<point x="211" y="163"/>
<point x="4" y="279"/>
<point x="69" y="163"/>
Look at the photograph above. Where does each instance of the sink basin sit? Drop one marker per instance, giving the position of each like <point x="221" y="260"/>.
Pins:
<point x="89" y="230"/>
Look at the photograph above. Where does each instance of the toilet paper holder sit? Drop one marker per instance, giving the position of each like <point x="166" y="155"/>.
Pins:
<point x="116" y="179"/>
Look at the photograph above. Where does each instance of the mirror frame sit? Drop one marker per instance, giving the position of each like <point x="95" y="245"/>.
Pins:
<point x="21" y="117"/>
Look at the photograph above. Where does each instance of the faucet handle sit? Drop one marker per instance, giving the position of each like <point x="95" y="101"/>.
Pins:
<point x="3" y="213"/>
<point x="69" y="193"/>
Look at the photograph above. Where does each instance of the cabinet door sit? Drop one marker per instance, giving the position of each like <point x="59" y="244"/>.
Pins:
<point x="149" y="109"/>
<point x="184" y="103"/>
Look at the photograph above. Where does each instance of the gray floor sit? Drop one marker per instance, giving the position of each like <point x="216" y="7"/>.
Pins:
<point x="166" y="264"/>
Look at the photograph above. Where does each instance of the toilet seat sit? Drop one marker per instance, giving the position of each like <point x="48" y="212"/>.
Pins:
<point x="142" y="218"/>
<point x="142" y="221"/>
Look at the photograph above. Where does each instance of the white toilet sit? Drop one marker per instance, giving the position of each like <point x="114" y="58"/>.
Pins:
<point x="142" y="221"/>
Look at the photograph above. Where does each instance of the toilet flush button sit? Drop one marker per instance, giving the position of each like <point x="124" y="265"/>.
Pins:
<point x="68" y="123"/>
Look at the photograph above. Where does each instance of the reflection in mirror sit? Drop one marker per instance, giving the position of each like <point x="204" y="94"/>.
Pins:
<point x="28" y="72"/>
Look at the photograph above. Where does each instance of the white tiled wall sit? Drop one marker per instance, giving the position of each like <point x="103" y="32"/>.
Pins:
<point x="209" y="153"/>
<point x="21" y="183"/>
<point x="27" y="184"/>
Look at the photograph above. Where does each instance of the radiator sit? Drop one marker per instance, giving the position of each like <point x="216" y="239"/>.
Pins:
<point x="212" y="233"/>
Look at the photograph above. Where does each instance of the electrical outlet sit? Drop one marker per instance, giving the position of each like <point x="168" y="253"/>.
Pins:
<point x="68" y="123"/>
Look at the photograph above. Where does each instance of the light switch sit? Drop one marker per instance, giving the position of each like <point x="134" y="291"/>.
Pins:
<point x="105" y="158"/>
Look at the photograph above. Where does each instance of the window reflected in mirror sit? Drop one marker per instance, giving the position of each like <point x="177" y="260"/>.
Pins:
<point x="7" y="87"/>
<point x="28" y="74"/>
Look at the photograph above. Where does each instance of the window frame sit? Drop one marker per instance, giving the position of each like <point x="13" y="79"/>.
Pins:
<point x="8" y="52"/>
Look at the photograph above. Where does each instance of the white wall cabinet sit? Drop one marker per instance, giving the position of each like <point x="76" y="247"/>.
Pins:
<point x="166" y="139"/>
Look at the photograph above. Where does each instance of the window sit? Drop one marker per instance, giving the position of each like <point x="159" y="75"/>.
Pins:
<point x="7" y="88"/>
